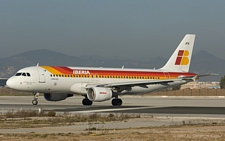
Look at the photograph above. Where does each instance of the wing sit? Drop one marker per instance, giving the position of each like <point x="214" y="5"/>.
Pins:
<point x="139" y="83"/>
<point x="118" y="87"/>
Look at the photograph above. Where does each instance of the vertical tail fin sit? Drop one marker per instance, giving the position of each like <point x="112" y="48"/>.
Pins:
<point x="181" y="58"/>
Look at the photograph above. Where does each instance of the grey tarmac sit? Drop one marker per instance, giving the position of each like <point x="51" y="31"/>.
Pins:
<point x="154" y="110"/>
<point x="131" y="104"/>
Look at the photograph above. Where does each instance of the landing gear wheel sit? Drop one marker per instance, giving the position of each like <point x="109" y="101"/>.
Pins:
<point x="117" y="102"/>
<point x="86" y="102"/>
<point x="34" y="102"/>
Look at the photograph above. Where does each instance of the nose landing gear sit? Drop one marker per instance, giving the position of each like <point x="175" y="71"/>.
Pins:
<point x="35" y="101"/>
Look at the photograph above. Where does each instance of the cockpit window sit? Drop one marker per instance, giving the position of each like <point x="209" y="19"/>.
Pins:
<point x="18" y="74"/>
<point x="23" y="74"/>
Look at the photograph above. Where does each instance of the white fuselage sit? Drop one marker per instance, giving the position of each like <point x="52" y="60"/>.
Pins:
<point x="44" y="80"/>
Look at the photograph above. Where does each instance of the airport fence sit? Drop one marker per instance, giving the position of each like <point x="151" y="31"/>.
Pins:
<point x="186" y="92"/>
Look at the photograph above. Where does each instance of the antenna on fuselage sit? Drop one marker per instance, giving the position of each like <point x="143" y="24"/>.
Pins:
<point x="37" y="64"/>
<point x="123" y="67"/>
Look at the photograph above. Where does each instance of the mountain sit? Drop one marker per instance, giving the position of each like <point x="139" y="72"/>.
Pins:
<point x="202" y="62"/>
<point x="42" y="56"/>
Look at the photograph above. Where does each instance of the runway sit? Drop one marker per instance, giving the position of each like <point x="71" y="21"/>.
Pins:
<point x="154" y="111"/>
<point x="179" y="106"/>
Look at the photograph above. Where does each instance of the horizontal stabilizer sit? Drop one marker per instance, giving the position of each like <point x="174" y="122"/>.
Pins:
<point x="210" y="74"/>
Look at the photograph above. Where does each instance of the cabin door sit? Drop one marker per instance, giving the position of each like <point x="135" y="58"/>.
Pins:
<point x="41" y="75"/>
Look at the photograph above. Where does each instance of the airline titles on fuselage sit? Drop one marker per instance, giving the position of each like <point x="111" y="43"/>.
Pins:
<point x="81" y="72"/>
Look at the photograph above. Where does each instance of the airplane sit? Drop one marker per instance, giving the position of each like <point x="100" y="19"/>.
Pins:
<point x="101" y="84"/>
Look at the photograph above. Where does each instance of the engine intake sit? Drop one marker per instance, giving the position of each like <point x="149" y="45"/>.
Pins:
<point x="98" y="94"/>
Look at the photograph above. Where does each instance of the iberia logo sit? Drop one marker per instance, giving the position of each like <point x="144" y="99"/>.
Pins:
<point x="182" y="57"/>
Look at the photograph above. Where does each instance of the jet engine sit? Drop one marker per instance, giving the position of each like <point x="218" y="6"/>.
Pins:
<point x="99" y="94"/>
<point x="56" y="97"/>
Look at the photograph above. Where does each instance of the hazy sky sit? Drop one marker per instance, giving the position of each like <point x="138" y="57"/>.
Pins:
<point x="114" y="28"/>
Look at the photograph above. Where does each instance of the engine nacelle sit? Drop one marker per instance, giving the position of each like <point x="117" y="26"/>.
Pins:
<point x="56" y="97"/>
<point x="99" y="94"/>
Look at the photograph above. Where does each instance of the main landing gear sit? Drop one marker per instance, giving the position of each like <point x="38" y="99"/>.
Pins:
<point x="86" y="101"/>
<point x="117" y="102"/>
<point x="35" y="101"/>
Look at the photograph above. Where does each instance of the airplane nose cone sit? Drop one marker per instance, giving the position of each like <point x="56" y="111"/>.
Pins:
<point x="10" y="83"/>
